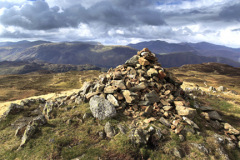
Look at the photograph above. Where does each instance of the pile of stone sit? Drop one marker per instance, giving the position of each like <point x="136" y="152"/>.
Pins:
<point x="140" y="87"/>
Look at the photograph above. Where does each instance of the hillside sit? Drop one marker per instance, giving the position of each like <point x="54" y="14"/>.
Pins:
<point x="23" y="67"/>
<point x="135" y="111"/>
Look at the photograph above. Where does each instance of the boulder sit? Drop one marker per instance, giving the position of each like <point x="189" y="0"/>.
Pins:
<point x="101" y="108"/>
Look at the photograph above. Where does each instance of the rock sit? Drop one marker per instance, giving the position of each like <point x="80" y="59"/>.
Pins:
<point x="215" y="116"/>
<point x="231" y="129"/>
<point x="101" y="108"/>
<point x="86" y="116"/>
<point x="110" y="132"/>
<point x="211" y="88"/>
<point x="190" y="122"/>
<point x="79" y="158"/>
<point x="189" y="130"/>
<point x="139" y="87"/>
<point x="149" y="109"/>
<point x="181" y="137"/>
<point x="179" y="129"/>
<point x="205" y="115"/>
<point x="113" y="100"/>
<point x="161" y="74"/>
<point x="215" y="124"/>
<point x="238" y="144"/>
<point x="143" y="61"/>
<point x="78" y="100"/>
<point x="138" y="136"/>
<point x="149" y="120"/>
<point x="90" y="95"/>
<point x="178" y="152"/>
<point x="152" y="97"/>
<point x="130" y="97"/>
<point x="40" y="120"/>
<point x="143" y="103"/>
<point x="122" y="129"/>
<point x="20" y="131"/>
<point x="152" y="72"/>
<point x="186" y="111"/>
<point x="13" y="109"/>
<point x="221" y="89"/>
<point x="167" y="108"/>
<point x="48" y="110"/>
<point x="164" y="103"/>
<point x="69" y="121"/>
<point x="165" y="122"/>
<point x="110" y="89"/>
<point x="132" y="61"/>
<point x="119" y="84"/>
<point x="201" y="148"/>
<point x="29" y="131"/>
<point x="85" y="88"/>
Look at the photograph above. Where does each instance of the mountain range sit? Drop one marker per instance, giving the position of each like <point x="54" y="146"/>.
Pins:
<point x="202" y="49"/>
<point x="96" y="54"/>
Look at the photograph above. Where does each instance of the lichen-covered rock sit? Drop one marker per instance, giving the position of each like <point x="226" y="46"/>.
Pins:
<point x="101" y="108"/>
<point x="40" y="120"/>
<point x="132" y="61"/>
<point x="109" y="130"/>
<point x="13" y="108"/>
<point x="139" y="136"/>
<point x="48" y="109"/>
<point x="29" y="131"/>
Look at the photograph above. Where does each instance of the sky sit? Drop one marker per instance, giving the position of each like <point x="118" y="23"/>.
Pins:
<point x="121" y="22"/>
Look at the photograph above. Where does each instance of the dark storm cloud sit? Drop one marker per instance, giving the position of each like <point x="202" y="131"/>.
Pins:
<point x="39" y="16"/>
<point x="230" y="13"/>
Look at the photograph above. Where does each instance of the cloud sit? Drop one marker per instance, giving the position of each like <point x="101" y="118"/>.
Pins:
<point x="121" y="21"/>
<point x="230" y="13"/>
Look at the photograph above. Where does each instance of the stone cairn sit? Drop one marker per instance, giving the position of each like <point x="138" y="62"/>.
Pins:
<point x="141" y="90"/>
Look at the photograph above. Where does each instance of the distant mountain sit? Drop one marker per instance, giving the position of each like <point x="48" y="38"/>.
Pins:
<point x="81" y="53"/>
<point x="71" y="53"/>
<point x="164" y="47"/>
<point x="202" y="48"/>
<point x="181" y="58"/>
<point x="23" y="67"/>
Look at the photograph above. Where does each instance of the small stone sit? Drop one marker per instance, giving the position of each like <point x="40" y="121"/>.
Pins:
<point x="149" y="120"/>
<point x="176" y="122"/>
<point x="173" y="127"/>
<point x="152" y="97"/>
<point x="51" y="140"/>
<point x="69" y="121"/>
<point x="165" y="122"/>
<point x="122" y="129"/>
<point x="110" y="132"/>
<point x="214" y="115"/>
<point x="167" y="108"/>
<point x="110" y="89"/>
<point x="161" y="74"/>
<point x="149" y="109"/>
<point x="143" y="61"/>
<point x="178" y="153"/>
<point x="181" y="137"/>
<point x="152" y="72"/>
<point x="119" y="84"/>
<point x="186" y="111"/>
<point x="86" y="116"/>
<point x="130" y="97"/>
<point x="113" y="100"/>
<point x="179" y="129"/>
